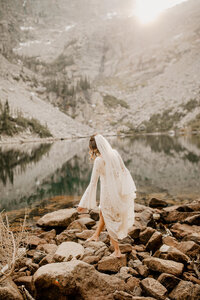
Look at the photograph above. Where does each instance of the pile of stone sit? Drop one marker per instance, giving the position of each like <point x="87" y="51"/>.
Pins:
<point x="159" y="260"/>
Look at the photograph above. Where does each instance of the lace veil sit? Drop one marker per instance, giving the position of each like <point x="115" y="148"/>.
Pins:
<point x="120" y="185"/>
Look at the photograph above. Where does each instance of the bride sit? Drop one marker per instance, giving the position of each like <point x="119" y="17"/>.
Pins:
<point x="117" y="192"/>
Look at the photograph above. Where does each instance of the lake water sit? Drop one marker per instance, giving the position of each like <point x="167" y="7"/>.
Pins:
<point x="44" y="177"/>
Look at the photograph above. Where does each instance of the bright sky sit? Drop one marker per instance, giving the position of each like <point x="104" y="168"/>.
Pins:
<point x="148" y="10"/>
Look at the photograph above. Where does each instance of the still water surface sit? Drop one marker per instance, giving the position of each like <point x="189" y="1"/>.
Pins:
<point x="57" y="174"/>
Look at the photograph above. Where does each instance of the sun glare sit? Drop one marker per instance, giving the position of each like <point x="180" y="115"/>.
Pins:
<point x="148" y="10"/>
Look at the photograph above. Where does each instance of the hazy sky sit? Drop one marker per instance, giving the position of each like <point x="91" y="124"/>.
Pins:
<point x="148" y="10"/>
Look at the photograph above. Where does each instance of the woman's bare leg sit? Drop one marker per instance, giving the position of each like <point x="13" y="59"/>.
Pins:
<point x="117" y="251"/>
<point x="100" y="227"/>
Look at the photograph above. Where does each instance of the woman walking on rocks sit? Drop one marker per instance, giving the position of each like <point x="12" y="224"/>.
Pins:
<point x="117" y="192"/>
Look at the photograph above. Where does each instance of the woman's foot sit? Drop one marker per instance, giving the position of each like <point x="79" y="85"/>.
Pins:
<point x="116" y="254"/>
<point x="94" y="238"/>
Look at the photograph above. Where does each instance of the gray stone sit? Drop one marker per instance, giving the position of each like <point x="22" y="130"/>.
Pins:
<point x="111" y="264"/>
<point x="67" y="251"/>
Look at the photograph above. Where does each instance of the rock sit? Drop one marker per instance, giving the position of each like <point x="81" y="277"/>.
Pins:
<point x="185" y="290"/>
<point x="157" y="203"/>
<point x="146" y="234"/>
<point x="77" y="225"/>
<point x="120" y="295"/>
<point x="171" y="253"/>
<point x="124" y="248"/>
<point x="48" y="259"/>
<point x="170" y="241"/>
<point x="67" y="251"/>
<point x="34" y="241"/>
<point x="94" y="213"/>
<point x="124" y="273"/>
<point x="175" y="216"/>
<point x="193" y="206"/>
<point x="133" y="283"/>
<point x="143" y="255"/>
<point x="134" y="232"/>
<point x="143" y="216"/>
<point x="143" y="298"/>
<point x="143" y="270"/>
<point x="88" y="222"/>
<point x="85" y="234"/>
<point x="164" y="266"/>
<point x="38" y="256"/>
<point x="189" y="248"/>
<point x="111" y="264"/>
<point x="194" y="220"/>
<point x="26" y="281"/>
<point x="92" y="259"/>
<point x="48" y="248"/>
<point x="75" y="279"/>
<point x="139" y="248"/>
<point x="189" y="277"/>
<point x="153" y="288"/>
<point x="186" y="231"/>
<point x="127" y="240"/>
<point x="9" y="290"/>
<point x="154" y="242"/>
<point x="67" y="236"/>
<point x="59" y="218"/>
<point x="49" y="236"/>
<point x="32" y="266"/>
<point x="168" y="280"/>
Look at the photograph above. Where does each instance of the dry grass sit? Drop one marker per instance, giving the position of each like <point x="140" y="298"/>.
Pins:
<point x="12" y="246"/>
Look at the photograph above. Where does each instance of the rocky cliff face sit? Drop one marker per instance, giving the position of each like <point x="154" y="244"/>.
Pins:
<point x="100" y="66"/>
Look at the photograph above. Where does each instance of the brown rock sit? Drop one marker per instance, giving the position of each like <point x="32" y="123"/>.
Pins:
<point x="49" y="236"/>
<point x="94" y="213"/>
<point x="146" y="234"/>
<point x="189" y="248"/>
<point x="143" y="255"/>
<point x="154" y="242"/>
<point x="186" y="231"/>
<point x="143" y="270"/>
<point x="59" y="218"/>
<point x="88" y="222"/>
<point x="111" y="264"/>
<point x="9" y="290"/>
<point x="176" y="216"/>
<point x="124" y="248"/>
<point x="168" y="280"/>
<point x="170" y="241"/>
<point x="77" y="225"/>
<point x="132" y="283"/>
<point x="67" y="236"/>
<point x="93" y="259"/>
<point x="48" y="259"/>
<point x="143" y="216"/>
<point x="120" y="295"/>
<point x="185" y="290"/>
<point x="74" y="278"/>
<point x="38" y="256"/>
<point x="48" y="248"/>
<point x="189" y="277"/>
<point x="26" y="281"/>
<point x="164" y="266"/>
<point x="85" y="234"/>
<point x="139" y="248"/>
<point x="193" y="206"/>
<point x="34" y="241"/>
<point x="68" y="250"/>
<point x="157" y="203"/>
<point x="171" y="253"/>
<point x="134" y="232"/>
<point x="194" y="220"/>
<point x="154" y="288"/>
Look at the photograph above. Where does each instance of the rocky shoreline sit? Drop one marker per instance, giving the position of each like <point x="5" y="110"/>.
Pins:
<point x="160" y="257"/>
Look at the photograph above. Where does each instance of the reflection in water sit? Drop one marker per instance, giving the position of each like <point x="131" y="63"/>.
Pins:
<point x="10" y="159"/>
<point x="158" y="164"/>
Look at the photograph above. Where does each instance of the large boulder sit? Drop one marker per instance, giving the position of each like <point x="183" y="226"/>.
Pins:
<point x="164" y="266"/>
<point x="59" y="218"/>
<point x="185" y="290"/>
<point x="9" y="290"/>
<point x="67" y="251"/>
<point x="153" y="288"/>
<point x="76" y="280"/>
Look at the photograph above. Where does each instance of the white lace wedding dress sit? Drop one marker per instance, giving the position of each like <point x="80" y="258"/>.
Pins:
<point x="117" y="192"/>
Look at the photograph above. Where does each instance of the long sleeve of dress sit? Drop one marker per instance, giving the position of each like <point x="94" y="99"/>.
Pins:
<point x="88" y="199"/>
